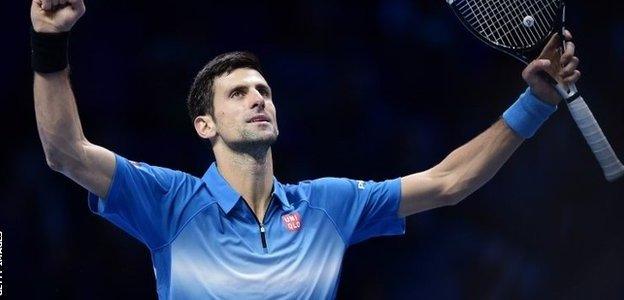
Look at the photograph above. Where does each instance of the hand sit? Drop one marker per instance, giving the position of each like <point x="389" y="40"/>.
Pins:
<point x="560" y="67"/>
<point x="55" y="15"/>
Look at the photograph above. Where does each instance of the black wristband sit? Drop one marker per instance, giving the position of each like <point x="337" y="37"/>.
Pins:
<point x="49" y="51"/>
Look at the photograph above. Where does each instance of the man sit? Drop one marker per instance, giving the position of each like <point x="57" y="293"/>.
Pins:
<point x="237" y="232"/>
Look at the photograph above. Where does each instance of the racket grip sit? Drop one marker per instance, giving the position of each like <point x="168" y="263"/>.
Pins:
<point x="611" y="165"/>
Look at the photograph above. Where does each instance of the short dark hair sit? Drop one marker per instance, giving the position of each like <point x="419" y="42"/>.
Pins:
<point x="200" y="100"/>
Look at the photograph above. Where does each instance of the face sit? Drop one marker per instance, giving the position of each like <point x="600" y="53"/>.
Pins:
<point x="244" y="114"/>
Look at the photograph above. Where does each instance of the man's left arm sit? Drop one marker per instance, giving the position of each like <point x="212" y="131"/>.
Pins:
<point x="472" y="165"/>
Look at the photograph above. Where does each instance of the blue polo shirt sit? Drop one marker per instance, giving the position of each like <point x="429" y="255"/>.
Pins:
<point x="206" y="243"/>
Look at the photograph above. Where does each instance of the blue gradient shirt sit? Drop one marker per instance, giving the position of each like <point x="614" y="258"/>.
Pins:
<point x="206" y="243"/>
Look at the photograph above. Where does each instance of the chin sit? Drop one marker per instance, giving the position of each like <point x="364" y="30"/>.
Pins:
<point x="267" y="140"/>
<point x="260" y="136"/>
<point x="254" y="142"/>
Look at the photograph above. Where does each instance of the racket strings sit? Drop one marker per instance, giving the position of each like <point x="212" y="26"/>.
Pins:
<point x="522" y="35"/>
<point x="491" y="21"/>
<point x="499" y="22"/>
<point x="542" y="11"/>
<point x="517" y="24"/>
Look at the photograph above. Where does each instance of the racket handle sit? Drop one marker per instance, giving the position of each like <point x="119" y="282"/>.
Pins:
<point x="611" y="165"/>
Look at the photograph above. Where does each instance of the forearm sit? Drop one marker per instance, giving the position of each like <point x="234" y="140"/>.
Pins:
<point x="57" y="119"/>
<point x="475" y="163"/>
<point x="472" y="165"/>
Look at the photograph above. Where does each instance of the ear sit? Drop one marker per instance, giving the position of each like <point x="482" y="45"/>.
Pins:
<point x="205" y="127"/>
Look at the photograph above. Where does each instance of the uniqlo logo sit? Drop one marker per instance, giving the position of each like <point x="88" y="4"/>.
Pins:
<point x="292" y="221"/>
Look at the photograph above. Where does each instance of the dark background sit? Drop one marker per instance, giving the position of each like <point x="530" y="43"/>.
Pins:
<point x="364" y="89"/>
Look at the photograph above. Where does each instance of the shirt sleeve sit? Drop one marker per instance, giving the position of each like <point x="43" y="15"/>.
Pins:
<point x="360" y="209"/>
<point x="150" y="203"/>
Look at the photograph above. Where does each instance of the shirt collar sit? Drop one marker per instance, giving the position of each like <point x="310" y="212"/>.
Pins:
<point x="227" y="197"/>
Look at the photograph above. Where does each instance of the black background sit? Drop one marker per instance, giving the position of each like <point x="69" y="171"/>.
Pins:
<point x="366" y="90"/>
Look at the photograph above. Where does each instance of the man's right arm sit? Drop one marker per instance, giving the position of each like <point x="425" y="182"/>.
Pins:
<point x="66" y="148"/>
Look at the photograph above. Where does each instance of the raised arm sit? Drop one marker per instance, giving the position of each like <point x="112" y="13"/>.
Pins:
<point x="66" y="148"/>
<point x="472" y="165"/>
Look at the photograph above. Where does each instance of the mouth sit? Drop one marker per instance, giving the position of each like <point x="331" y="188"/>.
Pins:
<point x="259" y="119"/>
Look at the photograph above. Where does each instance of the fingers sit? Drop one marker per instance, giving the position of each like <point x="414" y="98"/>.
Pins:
<point x="570" y="48"/>
<point x="576" y="75"/>
<point x="552" y="45"/>
<point x="37" y="4"/>
<point x="77" y="4"/>
<point x="532" y="71"/>
<point x="563" y="67"/>
<point x="569" y="62"/>
<point x="46" y="4"/>
<point x="568" y="54"/>
<point x="53" y="4"/>
<point x="569" y="68"/>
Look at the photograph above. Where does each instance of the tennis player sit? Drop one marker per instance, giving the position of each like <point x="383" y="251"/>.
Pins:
<point x="237" y="232"/>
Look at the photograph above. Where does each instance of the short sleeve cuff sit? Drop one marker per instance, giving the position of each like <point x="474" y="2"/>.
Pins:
<point x="390" y="223"/>
<point x="100" y="205"/>
<point x="395" y="224"/>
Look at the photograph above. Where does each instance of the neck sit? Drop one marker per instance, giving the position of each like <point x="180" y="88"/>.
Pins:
<point x="251" y="175"/>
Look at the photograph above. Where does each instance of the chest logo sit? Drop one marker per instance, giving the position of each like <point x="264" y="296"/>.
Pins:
<point x="292" y="221"/>
<point x="361" y="184"/>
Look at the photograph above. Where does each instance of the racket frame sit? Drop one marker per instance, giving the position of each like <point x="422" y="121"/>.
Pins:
<point x="525" y="55"/>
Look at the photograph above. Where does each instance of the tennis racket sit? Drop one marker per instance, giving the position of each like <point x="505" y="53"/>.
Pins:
<point x="521" y="28"/>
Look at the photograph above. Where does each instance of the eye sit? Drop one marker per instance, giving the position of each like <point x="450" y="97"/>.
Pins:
<point x="237" y="94"/>
<point x="264" y="92"/>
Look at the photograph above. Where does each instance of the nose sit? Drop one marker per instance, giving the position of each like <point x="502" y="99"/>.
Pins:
<point x="257" y="100"/>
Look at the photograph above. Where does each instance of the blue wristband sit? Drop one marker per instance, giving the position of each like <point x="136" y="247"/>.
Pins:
<point x="527" y="114"/>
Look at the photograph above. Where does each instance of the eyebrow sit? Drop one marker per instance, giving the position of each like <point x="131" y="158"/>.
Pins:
<point x="263" y="86"/>
<point x="237" y="87"/>
<point x="243" y="87"/>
